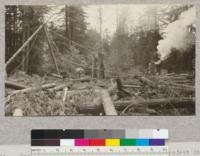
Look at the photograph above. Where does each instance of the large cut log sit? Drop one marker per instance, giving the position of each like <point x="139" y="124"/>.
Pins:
<point x="157" y="103"/>
<point x="151" y="103"/>
<point x="94" y="107"/>
<point x="108" y="105"/>
<point x="14" y="85"/>
<point x="45" y="86"/>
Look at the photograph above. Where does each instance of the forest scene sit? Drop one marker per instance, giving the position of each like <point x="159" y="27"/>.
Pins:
<point x="99" y="60"/>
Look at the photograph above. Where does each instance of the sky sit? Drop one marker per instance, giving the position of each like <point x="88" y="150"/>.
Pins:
<point x="110" y="14"/>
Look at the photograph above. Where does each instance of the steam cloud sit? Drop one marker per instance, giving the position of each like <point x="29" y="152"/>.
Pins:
<point x="177" y="34"/>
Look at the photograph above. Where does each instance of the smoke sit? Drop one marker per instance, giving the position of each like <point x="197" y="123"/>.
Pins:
<point x="177" y="34"/>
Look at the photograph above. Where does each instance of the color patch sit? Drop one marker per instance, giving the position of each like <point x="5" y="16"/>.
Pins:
<point x="112" y="142"/>
<point x="74" y="134"/>
<point x="127" y="142"/>
<point x="97" y="142"/>
<point x="91" y="134"/>
<point x="82" y="142"/>
<point x="46" y="134"/>
<point x="37" y="142"/>
<point x="142" y="142"/>
<point x="52" y="142"/>
<point x="67" y="142"/>
<point x="157" y="142"/>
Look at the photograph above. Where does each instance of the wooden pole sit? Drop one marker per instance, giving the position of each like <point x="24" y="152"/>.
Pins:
<point x="51" y="50"/>
<point x="101" y="45"/>
<point x="27" y="53"/>
<point x="67" y="23"/>
<point x="93" y="76"/>
<point x="23" y="46"/>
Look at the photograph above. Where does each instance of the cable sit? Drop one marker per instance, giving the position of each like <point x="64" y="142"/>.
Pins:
<point x="88" y="57"/>
<point x="78" y="44"/>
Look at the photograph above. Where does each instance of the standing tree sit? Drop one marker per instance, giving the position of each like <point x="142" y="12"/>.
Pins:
<point x="21" y="22"/>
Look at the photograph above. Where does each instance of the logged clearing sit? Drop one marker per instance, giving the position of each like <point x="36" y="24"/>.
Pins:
<point x="58" y="62"/>
<point x="170" y="94"/>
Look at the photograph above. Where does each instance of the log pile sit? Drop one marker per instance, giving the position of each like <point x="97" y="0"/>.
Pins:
<point x="181" y="83"/>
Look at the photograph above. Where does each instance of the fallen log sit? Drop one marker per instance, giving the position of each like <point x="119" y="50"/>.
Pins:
<point x="183" y="86"/>
<point x="83" y="79"/>
<point x="184" y="90"/>
<point x="183" y="82"/>
<point x="147" y="81"/>
<point x="18" y="112"/>
<point x="45" y="86"/>
<point x="131" y="86"/>
<point x="108" y="106"/>
<point x="151" y="103"/>
<point x="175" y="86"/>
<point x="156" y="103"/>
<point x="60" y="87"/>
<point x="14" y="85"/>
<point x="56" y="75"/>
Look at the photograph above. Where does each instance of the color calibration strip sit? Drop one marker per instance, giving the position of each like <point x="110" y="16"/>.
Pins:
<point x="98" y="142"/>
<point x="76" y="138"/>
<point x="99" y="134"/>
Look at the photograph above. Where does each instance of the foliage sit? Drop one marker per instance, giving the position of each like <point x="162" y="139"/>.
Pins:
<point x="123" y="50"/>
<point x="21" y="22"/>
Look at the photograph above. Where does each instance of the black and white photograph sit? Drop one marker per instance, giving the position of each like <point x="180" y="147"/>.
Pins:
<point x="100" y="60"/>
